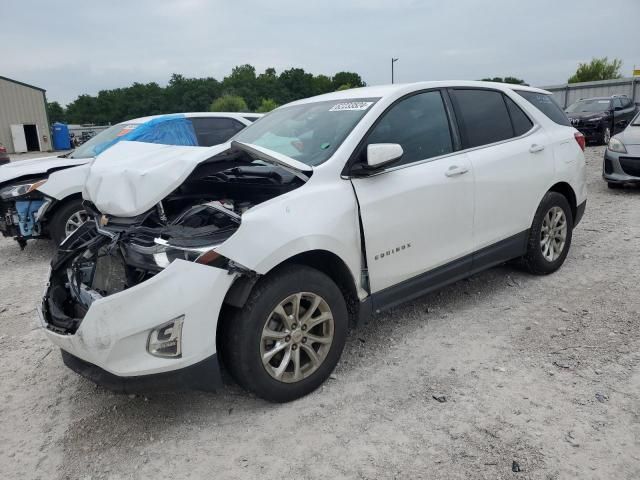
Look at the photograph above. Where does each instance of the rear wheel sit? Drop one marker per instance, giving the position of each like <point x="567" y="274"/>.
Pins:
<point x="289" y="336"/>
<point x="67" y="220"/>
<point x="550" y="235"/>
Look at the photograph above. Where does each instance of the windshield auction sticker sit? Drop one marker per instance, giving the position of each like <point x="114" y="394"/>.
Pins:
<point x="126" y="129"/>
<point x="350" y="106"/>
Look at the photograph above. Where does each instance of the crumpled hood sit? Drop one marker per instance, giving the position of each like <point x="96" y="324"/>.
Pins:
<point x="37" y="166"/>
<point x="630" y="136"/>
<point x="131" y="177"/>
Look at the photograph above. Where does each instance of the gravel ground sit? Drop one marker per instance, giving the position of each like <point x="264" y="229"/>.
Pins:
<point x="537" y="372"/>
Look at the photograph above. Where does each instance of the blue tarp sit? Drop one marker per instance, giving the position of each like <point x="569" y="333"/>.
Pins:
<point x="173" y="129"/>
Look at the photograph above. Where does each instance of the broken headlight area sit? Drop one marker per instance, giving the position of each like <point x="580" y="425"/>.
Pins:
<point x="101" y="260"/>
<point x="21" y="207"/>
<point x="112" y="254"/>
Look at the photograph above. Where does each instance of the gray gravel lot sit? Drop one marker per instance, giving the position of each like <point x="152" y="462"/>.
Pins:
<point x="540" y="371"/>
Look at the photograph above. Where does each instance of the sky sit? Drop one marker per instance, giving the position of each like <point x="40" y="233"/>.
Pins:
<point x="71" y="48"/>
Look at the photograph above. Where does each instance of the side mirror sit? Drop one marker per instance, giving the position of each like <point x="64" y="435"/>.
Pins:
<point x="381" y="154"/>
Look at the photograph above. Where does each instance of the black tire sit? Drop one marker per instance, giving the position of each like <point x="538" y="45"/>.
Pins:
<point x="534" y="260"/>
<point x="614" y="186"/>
<point x="59" y="219"/>
<point x="604" y="138"/>
<point x="242" y="335"/>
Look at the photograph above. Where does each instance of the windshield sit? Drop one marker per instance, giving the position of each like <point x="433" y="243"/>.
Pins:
<point x="593" y="105"/>
<point x="89" y="150"/>
<point x="309" y="133"/>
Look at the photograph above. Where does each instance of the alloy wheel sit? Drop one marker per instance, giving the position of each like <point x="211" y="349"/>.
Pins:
<point x="297" y="337"/>
<point x="74" y="222"/>
<point x="553" y="234"/>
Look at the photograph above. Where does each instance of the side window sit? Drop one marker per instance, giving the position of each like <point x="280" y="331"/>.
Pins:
<point x="419" y="124"/>
<point x="547" y="105"/>
<point x="483" y="115"/>
<point x="617" y="103"/>
<point x="214" y="130"/>
<point x="521" y="123"/>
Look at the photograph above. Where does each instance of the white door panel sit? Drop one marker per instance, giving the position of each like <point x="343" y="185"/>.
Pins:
<point x="510" y="180"/>
<point x="416" y="218"/>
<point x="19" y="139"/>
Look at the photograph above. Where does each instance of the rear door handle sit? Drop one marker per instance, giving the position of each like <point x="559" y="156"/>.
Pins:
<point x="536" y="148"/>
<point x="455" y="170"/>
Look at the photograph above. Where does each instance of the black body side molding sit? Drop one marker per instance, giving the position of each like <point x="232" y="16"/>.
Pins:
<point x="503" y="251"/>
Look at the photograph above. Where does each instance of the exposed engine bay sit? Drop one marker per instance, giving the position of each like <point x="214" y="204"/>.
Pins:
<point x="110" y="254"/>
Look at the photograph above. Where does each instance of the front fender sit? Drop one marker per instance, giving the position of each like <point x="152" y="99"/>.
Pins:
<point x="320" y="215"/>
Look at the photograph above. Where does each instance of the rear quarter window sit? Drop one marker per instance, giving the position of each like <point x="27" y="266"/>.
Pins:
<point x="547" y="105"/>
<point x="484" y="116"/>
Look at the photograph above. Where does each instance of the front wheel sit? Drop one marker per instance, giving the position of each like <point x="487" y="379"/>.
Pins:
<point x="289" y="336"/>
<point x="67" y="220"/>
<point x="550" y="235"/>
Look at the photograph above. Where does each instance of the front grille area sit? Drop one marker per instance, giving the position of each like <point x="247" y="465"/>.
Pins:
<point x="608" y="166"/>
<point x="630" y="165"/>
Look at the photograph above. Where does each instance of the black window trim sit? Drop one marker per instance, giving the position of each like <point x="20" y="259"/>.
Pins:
<point x="456" y="143"/>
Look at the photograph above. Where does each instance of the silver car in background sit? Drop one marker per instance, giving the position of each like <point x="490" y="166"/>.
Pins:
<point x="622" y="157"/>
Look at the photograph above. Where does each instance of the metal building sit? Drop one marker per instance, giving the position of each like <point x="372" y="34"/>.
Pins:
<point x="568" y="93"/>
<point x="24" y="126"/>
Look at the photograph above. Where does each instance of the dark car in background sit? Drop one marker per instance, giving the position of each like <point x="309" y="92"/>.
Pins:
<point x="599" y="118"/>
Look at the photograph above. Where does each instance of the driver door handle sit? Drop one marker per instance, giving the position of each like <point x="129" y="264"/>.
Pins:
<point x="455" y="170"/>
<point x="535" y="148"/>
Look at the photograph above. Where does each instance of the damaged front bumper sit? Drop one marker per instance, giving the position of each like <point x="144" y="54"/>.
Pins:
<point x="110" y="345"/>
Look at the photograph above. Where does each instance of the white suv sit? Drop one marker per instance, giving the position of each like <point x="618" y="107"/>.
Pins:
<point x="260" y="252"/>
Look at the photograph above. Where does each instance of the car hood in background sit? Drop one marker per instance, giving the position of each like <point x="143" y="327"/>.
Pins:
<point x="37" y="166"/>
<point x="131" y="177"/>
<point x="587" y="115"/>
<point x="631" y="135"/>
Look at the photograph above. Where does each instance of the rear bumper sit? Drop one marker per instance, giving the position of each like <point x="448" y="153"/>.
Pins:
<point x="204" y="375"/>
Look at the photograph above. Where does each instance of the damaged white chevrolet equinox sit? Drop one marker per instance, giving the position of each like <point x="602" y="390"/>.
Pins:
<point x="259" y="253"/>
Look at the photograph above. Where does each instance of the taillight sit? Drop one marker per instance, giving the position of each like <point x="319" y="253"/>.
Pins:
<point x="580" y="139"/>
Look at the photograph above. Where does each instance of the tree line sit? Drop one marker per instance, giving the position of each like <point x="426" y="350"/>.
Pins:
<point x="242" y="90"/>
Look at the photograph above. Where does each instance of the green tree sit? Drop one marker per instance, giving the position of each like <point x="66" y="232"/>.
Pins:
<point x="55" y="112"/>
<point x="347" y="78"/>
<point x="182" y="94"/>
<point x="597" y="69"/>
<point x="322" y="84"/>
<point x="266" y="105"/>
<point x="297" y="84"/>
<point x="229" y="103"/>
<point x="191" y="94"/>
<point x="346" y="86"/>
<point x="513" y="80"/>
<point x="82" y="110"/>
<point x="242" y="82"/>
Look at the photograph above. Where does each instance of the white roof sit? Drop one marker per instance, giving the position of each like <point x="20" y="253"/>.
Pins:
<point x="236" y="115"/>
<point x="379" y="91"/>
